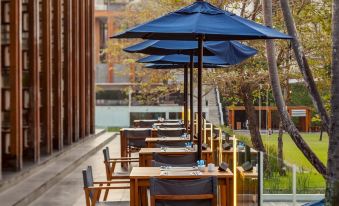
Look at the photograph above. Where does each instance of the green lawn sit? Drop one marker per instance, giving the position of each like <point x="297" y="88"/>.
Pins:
<point x="308" y="182"/>
<point x="293" y="155"/>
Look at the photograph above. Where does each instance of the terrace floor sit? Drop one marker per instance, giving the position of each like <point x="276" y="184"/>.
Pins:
<point x="69" y="190"/>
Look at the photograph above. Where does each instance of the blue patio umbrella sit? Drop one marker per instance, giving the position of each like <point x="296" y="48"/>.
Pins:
<point x="180" y="66"/>
<point x="180" y="58"/>
<point x="201" y="21"/>
<point x="211" y="48"/>
<point x="232" y="51"/>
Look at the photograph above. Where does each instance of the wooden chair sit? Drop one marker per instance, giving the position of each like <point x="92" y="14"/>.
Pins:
<point x="190" y="158"/>
<point x="170" y="132"/>
<point x="198" y="192"/>
<point x="93" y="189"/>
<point x="136" y="139"/>
<point x="172" y="144"/>
<point x="110" y="164"/>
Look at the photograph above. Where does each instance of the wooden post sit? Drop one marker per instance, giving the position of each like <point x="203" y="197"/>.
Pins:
<point x="47" y="74"/>
<point x="200" y="117"/>
<point x="191" y="96"/>
<point x="269" y="118"/>
<point x="1" y="66"/>
<point x="34" y="70"/>
<point x="68" y="65"/>
<point x="186" y="97"/>
<point x="16" y="81"/>
<point x="82" y="68"/>
<point x="75" y="72"/>
<point x="57" y="74"/>
<point x="92" y="68"/>
<point x="87" y="66"/>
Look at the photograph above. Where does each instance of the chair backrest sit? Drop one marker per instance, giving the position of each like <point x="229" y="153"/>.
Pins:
<point x="197" y="192"/>
<point x="170" y="132"/>
<point x="87" y="175"/>
<point x="160" y="144"/>
<point x="136" y="138"/>
<point x="190" y="158"/>
<point x="106" y="154"/>
<point x="147" y="123"/>
<point x="170" y="125"/>
<point x="161" y="164"/>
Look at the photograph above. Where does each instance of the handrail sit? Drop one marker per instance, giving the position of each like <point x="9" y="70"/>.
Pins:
<point x="219" y="106"/>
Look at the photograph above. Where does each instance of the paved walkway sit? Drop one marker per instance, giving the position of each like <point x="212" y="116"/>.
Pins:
<point x="69" y="191"/>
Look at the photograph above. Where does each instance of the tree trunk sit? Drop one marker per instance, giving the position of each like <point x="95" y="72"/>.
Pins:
<point x="332" y="187"/>
<point x="279" y="99"/>
<point x="321" y="134"/>
<point x="253" y="123"/>
<point x="303" y="65"/>
<point x="281" y="147"/>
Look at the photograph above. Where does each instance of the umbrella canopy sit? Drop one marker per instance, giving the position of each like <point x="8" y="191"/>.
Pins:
<point x="180" y="66"/>
<point x="180" y="59"/>
<point x="211" y="48"/>
<point x="202" y="19"/>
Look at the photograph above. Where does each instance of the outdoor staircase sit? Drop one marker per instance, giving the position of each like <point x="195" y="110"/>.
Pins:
<point x="214" y="114"/>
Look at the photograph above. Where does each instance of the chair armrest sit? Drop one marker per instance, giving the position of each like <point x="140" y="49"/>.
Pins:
<point x="124" y="158"/>
<point x="112" y="161"/>
<point x="106" y="187"/>
<point x="111" y="182"/>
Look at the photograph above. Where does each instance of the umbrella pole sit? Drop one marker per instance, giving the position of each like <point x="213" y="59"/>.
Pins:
<point x="185" y="97"/>
<point x="191" y="98"/>
<point x="200" y="65"/>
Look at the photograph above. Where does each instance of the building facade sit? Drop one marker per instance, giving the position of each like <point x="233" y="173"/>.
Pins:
<point x="48" y="78"/>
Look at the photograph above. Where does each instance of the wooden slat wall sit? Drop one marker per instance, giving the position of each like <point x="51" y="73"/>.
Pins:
<point x="57" y="75"/>
<point x="34" y="70"/>
<point x="61" y="71"/>
<point x="68" y="78"/>
<point x="16" y="81"/>
<point x="92" y="68"/>
<point x="82" y="71"/>
<point x="87" y="66"/>
<point x="75" y="72"/>
<point x="47" y="74"/>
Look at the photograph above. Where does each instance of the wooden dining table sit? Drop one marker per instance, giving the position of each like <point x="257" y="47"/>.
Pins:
<point x="140" y="176"/>
<point x="146" y="154"/>
<point x="151" y="141"/>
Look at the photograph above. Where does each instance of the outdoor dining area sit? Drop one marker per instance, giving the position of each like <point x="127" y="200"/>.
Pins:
<point x="188" y="161"/>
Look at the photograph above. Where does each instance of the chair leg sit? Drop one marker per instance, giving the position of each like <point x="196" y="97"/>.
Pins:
<point x="106" y="193"/>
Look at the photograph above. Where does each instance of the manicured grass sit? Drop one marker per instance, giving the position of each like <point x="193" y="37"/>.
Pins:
<point x="311" y="180"/>
<point x="113" y="129"/>
<point x="293" y="155"/>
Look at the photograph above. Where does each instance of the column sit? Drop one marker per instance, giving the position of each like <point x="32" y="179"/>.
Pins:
<point x="67" y="73"/>
<point x="57" y="74"/>
<point x="75" y="72"/>
<point x="82" y="68"/>
<point x="34" y="72"/>
<point x="16" y="82"/>
<point x="46" y="83"/>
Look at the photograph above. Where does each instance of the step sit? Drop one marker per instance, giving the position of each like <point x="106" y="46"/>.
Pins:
<point x="41" y="179"/>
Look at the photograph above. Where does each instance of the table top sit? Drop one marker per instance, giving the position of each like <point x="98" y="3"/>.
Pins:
<point x="177" y="173"/>
<point x="167" y="139"/>
<point x="249" y="174"/>
<point x="181" y="150"/>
